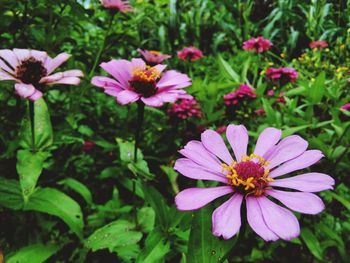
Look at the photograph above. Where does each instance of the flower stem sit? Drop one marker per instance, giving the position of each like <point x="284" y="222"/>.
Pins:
<point x="32" y="119"/>
<point x="140" y="117"/>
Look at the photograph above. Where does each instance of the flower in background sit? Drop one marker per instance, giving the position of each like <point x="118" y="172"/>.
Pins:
<point x="185" y="108"/>
<point x="345" y="107"/>
<point x="252" y="179"/>
<point x="120" y="5"/>
<point x="260" y="112"/>
<point x="190" y="54"/>
<point x="32" y="68"/>
<point x="244" y="91"/>
<point x="88" y="146"/>
<point x="318" y="44"/>
<point x="221" y="129"/>
<point x="258" y="44"/>
<point x="152" y="57"/>
<point x="282" y="75"/>
<point x="134" y="80"/>
<point x="281" y="99"/>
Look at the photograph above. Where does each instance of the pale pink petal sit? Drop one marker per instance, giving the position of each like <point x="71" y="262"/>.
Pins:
<point x="256" y="220"/>
<point x="237" y="136"/>
<point x="21" y="54"/>
<point x="195" y="198"/>
<point x="36" y="95"/>
<point x="60" y="75"/>
<point x="227" y="217"/>
<point x="214" y="143"/>
<point x="39" y="55"/>
<point x="168" y="96"/>
<point x="24" y="90"/>
<point x="52" y="63"/>
<point x="127" y="96"/>
<point x="278" y="219"/>
<point x="4" y="67"/>
<point x="305" y="160"/>
<point x="113" y="92"/>
<point x="171" y="78"/>
<point x="6" y="76"/>
<point x="309" y="182"/>
<point x="192" y="170"/>
<point x="105" y="82"/>
<point x="267" y="139"/>
<point x="121" y="70"/>
<point x="160" y="67"/>
<point x="67" y="81"/>
<point x="138" y="63"/>
<point x="10" y="57"/>
<point x="153" y="101"/>
<point x="306" y="203"/>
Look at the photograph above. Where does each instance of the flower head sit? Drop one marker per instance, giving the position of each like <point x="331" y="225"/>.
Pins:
<point x="134" y="80"/>
<point x="283" y="75"/>
<point x="88" y="146"/>
<point x="258" y="44"/>
<point x="221" y="129"/>
<point x="243" y="92"/>
<point x="31" y="68"/>
<point x="190" y="53"/>
<point x="345" y="107"/>
<point x="318" y="44"/>
<point x="120" y="5"/>
<point x="152" y="57"/>
<point x="252" y="179"/>
<point x="260" y="112"/>
<point x="185" y="108"/>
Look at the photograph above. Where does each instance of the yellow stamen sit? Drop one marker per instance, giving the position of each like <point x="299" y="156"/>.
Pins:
<point x="147" y="74"/>
<point x="154" y="52"/>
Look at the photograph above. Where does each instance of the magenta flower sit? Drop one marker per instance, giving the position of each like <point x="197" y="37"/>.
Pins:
<point x="185" y="108"/>
<point x="258" y="44"/>
<point x="252" y="179"/>
<point x="318" y="44"/>
<point x="134" y="80"/>
<point x="152" y="57"/>
<point x="283" y="75"/>
<point x="244" y="91"/>
<point x="260" y="112"/>
<point x="120" y="5"/>
<point x="190" y="54"/>
<point x="31" y="68"/>
<point x="345" y="107"/>
<point x="221" y="129"/>
<point x="88" y="146"/>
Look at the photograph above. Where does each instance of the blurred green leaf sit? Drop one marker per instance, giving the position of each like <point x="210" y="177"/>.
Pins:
<point x="146" y="218"/>
<point x="10" y="194"/>
<point x="79" y="188"/>
<point x="312" y="243"/>
<point x="36" y="253"/>
<point x="228" y="69"/>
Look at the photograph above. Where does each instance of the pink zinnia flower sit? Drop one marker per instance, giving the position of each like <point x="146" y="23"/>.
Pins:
<point x="244" y="91"/>
<point x="345" y="106"/>
<point x="185" y="108"/>
<point x="283" y="75"/>
<point x="134" y="80"/>
<point x="152" y="57"/>
<point x="190" y="53"/>
<point x="120" y="5"/>
<point x="258" y="44"/>
<point x="260" y="112"/>
<point x="252" y="179"/>
<point x="318" y="44"/>
<point x="32" y="68"/>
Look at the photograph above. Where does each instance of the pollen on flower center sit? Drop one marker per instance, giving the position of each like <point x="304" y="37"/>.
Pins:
<point x="250" y="176"/>
<point x="144" y="80"/>
<point x="30" y="71"/>
<point x="154" y="52"/>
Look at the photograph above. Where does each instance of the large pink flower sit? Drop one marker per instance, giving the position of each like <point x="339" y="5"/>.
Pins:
<point x="282" y="75"/>
<point x="190" y="53"/>
<point x="32" y="68"/>
<point x="318" y="44"/>
<point x="258" y="44"/>
<point x="120" y="5"/>
<point x="134" y="80"/>
<point x="152" y="57"/>
<point x="252" y="179"/>
<point x="244" y="91"/>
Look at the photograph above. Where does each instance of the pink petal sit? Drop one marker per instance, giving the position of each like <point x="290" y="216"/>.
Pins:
<point x="160" y="67"/>
<point x="105" y="82"/>
<point x="192" y="170"/>
<point x="138" y="63"/>
<point x="168" y="96"/>
<point x="24" y="90"/>
<point x="309" y="182"/>
<point x="306" y="203"/>
<point x="305" y="160"/>
<point x="36" y="95"/>
<point x="256" y="220"/>
<point x="21" y="54"/>
<point x="153" y="101"/>
<point x="39" y="55"/>
<point x="237" y="136"/>
<point x="60" y="75"/>
<point x="267" y="139"/>
<point x="6" y="76"/>
<point x="67" y="81"/>
<point x="127" y="96"/>
<point x="280" y="220"/>
<point x="120" y="69"/>
<point x="227" y="217"/>
<point x="172" y="78"/>
<point x="52" y="64"/>
<point x="10" y="57"/>
<point x="195" y="198"/>
<point x="4" y="67"/>
<point x="289" y="148"/>
<point x="214" y="143"/>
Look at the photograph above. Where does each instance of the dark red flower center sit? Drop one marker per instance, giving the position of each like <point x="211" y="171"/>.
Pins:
<point x="144" y="81"/>
<point x="30" y="71"/>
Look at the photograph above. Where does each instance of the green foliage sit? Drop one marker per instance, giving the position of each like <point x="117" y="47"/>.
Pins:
<point x="36" y="253"/>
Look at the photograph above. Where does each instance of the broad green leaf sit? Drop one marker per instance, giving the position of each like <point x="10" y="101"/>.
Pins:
<point x="79" y="188"/>
<point x="128" y="253"/>
<point x="146" y="218"/>
<point x="228" y="69"/>
<point x="29" y="167"/>
<point x="340" y="199"/>
<point x="156" y="247"/>
<point x="56" y="203"/>
<point x="291" y="130"/>
<point x="312" y="243"/>
<point x="37" y="253"/>
<point x="117" y="233"/>
<point x="317" y="89"/>
<point x="126" y="150"/>
<point x="10" y="194"/>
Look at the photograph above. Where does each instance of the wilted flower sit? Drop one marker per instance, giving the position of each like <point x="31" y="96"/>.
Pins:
<point x="190" y="53"/>
<point x="318" y="44"/>
<point x="244" y="91"/>
<point x="120" y="5"/>
<point x="258" y="44"/>
<point x="134" y="80"/>
<point x="260" y="112"/>
<point x="32" y="68"/>
<point x="152" y="57"/>
<point x="283" y="75"/>
<point x="345" y="106"/>
<point x="252" y="178"/>
<point x="185" y="108"/>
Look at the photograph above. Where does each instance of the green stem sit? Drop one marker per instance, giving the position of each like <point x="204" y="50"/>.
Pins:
<point x="140" y="117"/>
<point x="32" y="120"/>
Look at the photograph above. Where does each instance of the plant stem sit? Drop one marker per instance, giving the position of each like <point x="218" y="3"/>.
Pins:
<point x="140" y="117"/>
<point x="32" y="119"/>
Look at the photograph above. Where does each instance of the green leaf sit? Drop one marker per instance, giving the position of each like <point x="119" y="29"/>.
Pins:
<point x="203" y="246"/>
<point x="117" y="233"/>
<point x="318" y="88"/>
<point x="312" y="243"/>
<point x="10" y="194"/>
<point x="228" y="69"/>
<point x="172" y="176"/>
<point x="126" y="150"/>
<point x="79" y="188"/>
<point x="37" y="253"/>
<point x="56" y="203"/>
<point x="340" y="199"/>
<point x="128" y="253"/>
<point x="29" y="167"/>
<point x="146" y="219"/>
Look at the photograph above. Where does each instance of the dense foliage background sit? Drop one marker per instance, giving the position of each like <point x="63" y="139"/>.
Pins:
<point x="83" y="208"/>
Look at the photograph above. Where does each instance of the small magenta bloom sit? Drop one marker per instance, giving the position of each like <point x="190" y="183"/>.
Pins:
<point x="185" y="108"/>
<point x="252" y="179"/>
<point x="244" y="91"/>
<point x="282" y="75"/>
<point x="318" y="44"/>
<point x="257" y="45"/>
<point x="134" y="80"/>
<point x="88" y="146"/>
<point x="345" y="107"/>
<point x="120" y="5"/>
<point x="190" y="54"/>
<point x="221" y="129"/>
<point x="260" y="112"/>
<point x="152" y="57"/>
<point x="32" y="68"/>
